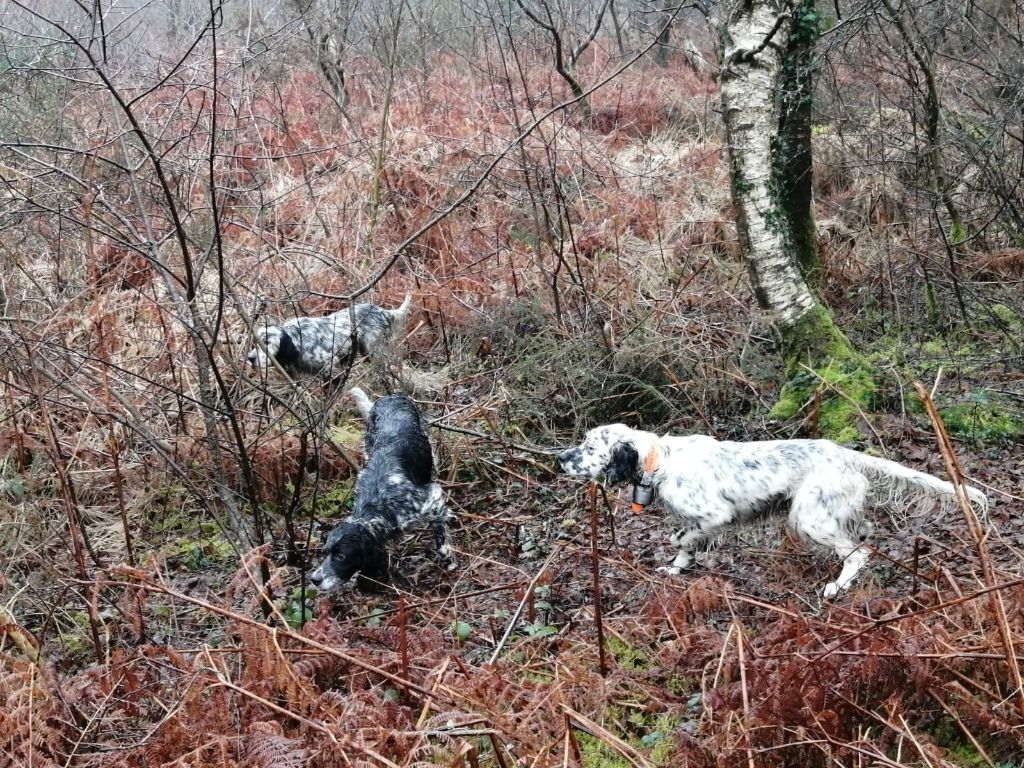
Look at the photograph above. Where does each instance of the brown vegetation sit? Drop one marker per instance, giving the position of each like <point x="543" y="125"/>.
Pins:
<point x="159" y="502"/>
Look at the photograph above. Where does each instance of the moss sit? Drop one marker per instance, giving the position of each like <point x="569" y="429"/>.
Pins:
<point x="981" y="421"/>
<point x="346" y="433"/>
<point x="663" y="729"/>
<point x="984" y="416"/>
<point x="1008" y="317"/>
<point x="197" y="555"/>
<point x="962" y="753"/>
<point x="539" y="678"/>
<point x="822" y="363"/>
<point x="682" y="685"/>
<point x="967" y="756"/>
<point x="74" y="636"/>
<point x="649" y="733"/>
<point x="333" y="503"/>
<point x="594" y="753"/>
<point x="627" y="656"/>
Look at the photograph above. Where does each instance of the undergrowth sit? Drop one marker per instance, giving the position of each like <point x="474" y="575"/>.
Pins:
<point x="160" y="503"/>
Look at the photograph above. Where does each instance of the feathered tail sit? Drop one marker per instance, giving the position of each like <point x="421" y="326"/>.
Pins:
<point x="401" y="313"/>
<point x="363" y="403"/>
<point x="898" y="480"/>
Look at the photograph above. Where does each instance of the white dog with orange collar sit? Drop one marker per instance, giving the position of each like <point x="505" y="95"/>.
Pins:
<point x="708" y="484"/>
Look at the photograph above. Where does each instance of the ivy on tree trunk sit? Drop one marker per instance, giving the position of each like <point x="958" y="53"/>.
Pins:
<point x="793" y="167"/>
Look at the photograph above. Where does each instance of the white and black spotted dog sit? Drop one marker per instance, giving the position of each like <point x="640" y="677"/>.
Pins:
<point x="324" y="344"/>
<point x="707" y="484"/>
<point x="395" y="490"/>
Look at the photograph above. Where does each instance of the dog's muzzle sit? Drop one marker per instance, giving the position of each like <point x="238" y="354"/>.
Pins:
<point x="322" y="581"/>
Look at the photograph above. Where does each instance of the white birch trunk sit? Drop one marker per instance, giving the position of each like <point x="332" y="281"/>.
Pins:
<point x="750" y="82"/>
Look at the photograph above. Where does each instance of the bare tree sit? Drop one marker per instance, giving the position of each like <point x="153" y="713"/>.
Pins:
<point x="564" y="58"/>
<point x="327" y="30"/>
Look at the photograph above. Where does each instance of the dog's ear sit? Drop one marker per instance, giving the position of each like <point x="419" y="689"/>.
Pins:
<point x="287" y="352"/>
<point x="624" y="464"/>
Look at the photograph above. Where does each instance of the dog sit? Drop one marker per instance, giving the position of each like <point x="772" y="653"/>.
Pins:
<point x="324" y="344"/>
<point x="707" y="484"/>
<point x="394" y="491"/>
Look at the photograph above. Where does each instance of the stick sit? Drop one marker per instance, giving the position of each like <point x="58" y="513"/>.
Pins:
<point x="974" y="525"/>
<point x="587" y="725"/>
<point x="595" y="564"/>
<point x="519" y="610"/>
<point x="742" y="659"/>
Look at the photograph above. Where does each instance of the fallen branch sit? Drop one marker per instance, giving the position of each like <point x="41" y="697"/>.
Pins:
<point x="974" y="526"/>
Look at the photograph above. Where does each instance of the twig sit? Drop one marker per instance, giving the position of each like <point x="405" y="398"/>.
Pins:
<point x="403" y="640"/>
<point x="595" y="562"/>
<point x="742" y="659"/>
<point x="833" y="388"/>
<point x="570" y="744"/>
<point x="519" y="610"/>
<point x="493" y="438"/>
<point x="974" y="526"/>
<point x="966" y="731"/>
<point x="437" y="681"/>
<point x="587" y="725"/>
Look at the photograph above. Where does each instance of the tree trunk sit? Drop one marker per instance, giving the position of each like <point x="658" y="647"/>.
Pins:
<point x="766" y="99"/>
<point x="751" y="79"/>
<point x="795" y="179"/>
<point x="663" y="45"/>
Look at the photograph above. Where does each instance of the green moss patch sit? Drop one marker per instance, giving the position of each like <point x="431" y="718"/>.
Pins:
<point x="626" y="655"/>
<point x="824" y="368"/>
<point x="650" y="734"/>
<point x="980" y="419"/>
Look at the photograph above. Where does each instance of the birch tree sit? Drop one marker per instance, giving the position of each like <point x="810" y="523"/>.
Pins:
<point x="766" y="98"/>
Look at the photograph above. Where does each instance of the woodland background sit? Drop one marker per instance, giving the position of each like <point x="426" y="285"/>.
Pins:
<point x="550" y="181"/>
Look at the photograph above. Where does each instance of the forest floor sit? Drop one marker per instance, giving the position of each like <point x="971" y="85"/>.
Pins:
<point x="163" y="640"/>
<point x="736" y="662"/>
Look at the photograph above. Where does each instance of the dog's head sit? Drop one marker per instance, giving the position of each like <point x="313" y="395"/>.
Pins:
<point x="610" y="450"/>
<point x="272" y="342"/>
<point x="350" y="549"/>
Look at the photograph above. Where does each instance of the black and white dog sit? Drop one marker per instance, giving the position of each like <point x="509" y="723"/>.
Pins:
<point x="323" y="344"/>
<point x="394" y="491"/>
<point x="707" y="484"/>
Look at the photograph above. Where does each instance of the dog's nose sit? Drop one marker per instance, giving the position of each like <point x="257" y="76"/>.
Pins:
<point x="316" y="578"/>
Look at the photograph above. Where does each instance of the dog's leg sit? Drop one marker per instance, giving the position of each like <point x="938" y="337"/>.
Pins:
<point x="852" y="563"/>
<point x="687" y="542"/>
<point x="827" y="509"/>
<point x="437" y="512"/>
<point x="443" y="544"/>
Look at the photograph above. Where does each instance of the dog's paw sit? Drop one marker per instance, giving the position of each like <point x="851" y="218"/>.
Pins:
<point x="831" y="590"/>
<point x="671" y="570"/>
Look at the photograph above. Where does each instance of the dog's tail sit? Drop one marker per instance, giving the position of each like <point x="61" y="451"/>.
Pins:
<point x="401" y="313"/>
<point x="900" y="480"/>
<point x="363" y="403"/>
